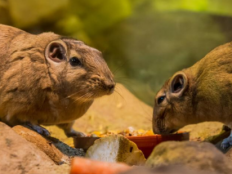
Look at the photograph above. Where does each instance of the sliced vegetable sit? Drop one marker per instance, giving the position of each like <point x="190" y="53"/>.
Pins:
<point x="87" y="166"/>
<point x="116" y="148"/>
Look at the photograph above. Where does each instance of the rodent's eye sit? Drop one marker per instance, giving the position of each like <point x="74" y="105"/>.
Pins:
<point x="74" y="61"/>
<point x="160" y="99"/>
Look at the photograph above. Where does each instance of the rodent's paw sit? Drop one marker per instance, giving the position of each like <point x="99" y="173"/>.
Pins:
<point x="42" y="131"/>
<point x="74" y="133"/>
<point x="227" y="142"/>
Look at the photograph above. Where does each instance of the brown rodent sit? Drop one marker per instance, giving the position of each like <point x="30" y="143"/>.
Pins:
<point x="202" y="92"/>
<point x="48" y="79"/>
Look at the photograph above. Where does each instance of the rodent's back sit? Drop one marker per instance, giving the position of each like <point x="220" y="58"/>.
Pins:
<point x="22" y="68"/>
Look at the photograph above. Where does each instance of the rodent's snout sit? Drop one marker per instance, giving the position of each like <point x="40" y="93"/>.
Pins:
<point x="109" y="86"/>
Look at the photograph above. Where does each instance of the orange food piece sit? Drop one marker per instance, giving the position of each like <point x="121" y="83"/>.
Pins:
<point x="130" y="131"/>
<point x="87" y="166"/>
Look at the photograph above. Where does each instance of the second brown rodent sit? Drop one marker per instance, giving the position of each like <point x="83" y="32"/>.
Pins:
<point x="48" y="79"/>
<point x="202" y="92"/>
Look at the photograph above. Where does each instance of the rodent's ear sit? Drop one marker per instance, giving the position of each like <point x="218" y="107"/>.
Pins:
<point x="178" y="84"/>
<point x="56" y="51"/>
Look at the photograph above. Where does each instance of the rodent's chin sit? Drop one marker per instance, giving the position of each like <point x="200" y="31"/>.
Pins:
<point x="165" y="131"/>
<point x="110" y="92"/>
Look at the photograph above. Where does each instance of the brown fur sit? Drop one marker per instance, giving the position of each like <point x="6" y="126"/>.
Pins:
<point x="35" y="89"/>
<point x="204" y="95"/>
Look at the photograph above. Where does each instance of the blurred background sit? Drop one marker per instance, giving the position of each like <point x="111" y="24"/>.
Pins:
<point x="143" y="41"/>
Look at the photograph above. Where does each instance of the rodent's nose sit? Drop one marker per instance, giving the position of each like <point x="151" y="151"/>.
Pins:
<point x="110" y="87"/>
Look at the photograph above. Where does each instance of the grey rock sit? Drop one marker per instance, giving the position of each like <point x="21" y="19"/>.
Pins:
<point x="206" y="131"/>
<point x="195" y="155"/>
<point x="166" y="170"/>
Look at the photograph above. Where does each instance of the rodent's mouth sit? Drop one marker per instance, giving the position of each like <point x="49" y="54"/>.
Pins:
<point x="160" y="123"/>
<point x="110" y="91"/>
<point x="162" y="127"/>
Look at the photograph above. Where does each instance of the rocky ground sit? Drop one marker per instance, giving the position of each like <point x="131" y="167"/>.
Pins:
<point x="24" y="151"/>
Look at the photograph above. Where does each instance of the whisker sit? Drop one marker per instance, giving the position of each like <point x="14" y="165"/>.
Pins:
<point x="79" y="91"/>
<point x="85" y="95"/>
<point x="119" y="94"/>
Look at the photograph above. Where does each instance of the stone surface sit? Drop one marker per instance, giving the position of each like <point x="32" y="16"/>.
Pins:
<point x="117" y="111"/>
<point x="20" y="156"/>
<point x="48" y="144"/>
<point x="42" y="143"/>
<point x="196" y="155"/>
<point x="228" y="153"/>
<point x="206" y="131"/>
<point x="166" y="170"/>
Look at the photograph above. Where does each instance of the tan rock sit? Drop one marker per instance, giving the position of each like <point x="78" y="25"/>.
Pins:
<point x="117" y="111"/>
<point x="206" y="131"/>
<point x="43" y="144"/>
<point x="195" y="155"/>
<point x="229" y="153"/>
<point x="20" y="156"/>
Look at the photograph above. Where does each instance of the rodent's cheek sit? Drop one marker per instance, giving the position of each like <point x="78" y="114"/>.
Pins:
<point x="76" y="76"/>
<point x="175" y="120"/>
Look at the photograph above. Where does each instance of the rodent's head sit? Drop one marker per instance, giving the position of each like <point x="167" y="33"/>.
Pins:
<point x="78" y="71"/>
<point x="173" y="104"/>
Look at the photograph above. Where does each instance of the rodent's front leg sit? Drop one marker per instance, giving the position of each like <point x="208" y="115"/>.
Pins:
<point x="38" y="129"/>
<point x="227" y="142"/>
<point x="67" y="127"/>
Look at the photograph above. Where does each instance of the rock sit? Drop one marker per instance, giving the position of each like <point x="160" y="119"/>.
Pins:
<point x="166" y="170"/>
<point x="116" y="148"/>
<point x="115" y="112"/>
<point x="43" y="144"/>
<point x="65" y="149"/>
<point x="195" y="155"/>
<point x="39" y="11"/>
<point x="229" y="153"/>
<point x="206" y="131"/>
<point x="20" y="156"/>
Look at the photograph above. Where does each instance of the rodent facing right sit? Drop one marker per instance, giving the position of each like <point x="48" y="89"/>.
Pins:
<point x="48" y="79"/>
<point x="200" y="93"/>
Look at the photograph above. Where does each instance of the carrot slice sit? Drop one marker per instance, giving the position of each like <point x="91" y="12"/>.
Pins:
<point x="87" y="166"/>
